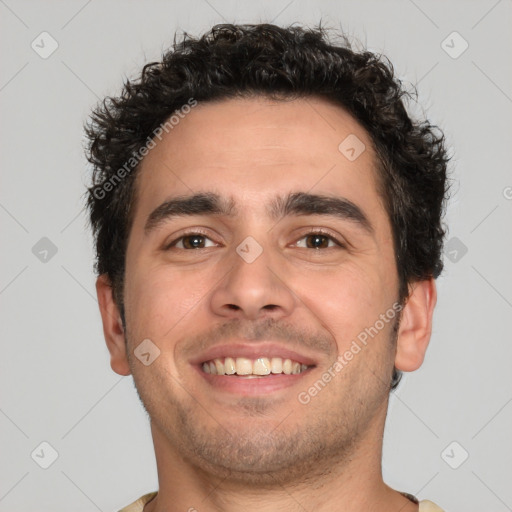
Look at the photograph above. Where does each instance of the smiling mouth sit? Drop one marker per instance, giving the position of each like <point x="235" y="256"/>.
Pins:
<point x="253" y="368"/>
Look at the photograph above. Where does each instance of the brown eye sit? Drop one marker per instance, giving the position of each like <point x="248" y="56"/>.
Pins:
<point x="319" y="240"/>
<point x="190" y="241"/>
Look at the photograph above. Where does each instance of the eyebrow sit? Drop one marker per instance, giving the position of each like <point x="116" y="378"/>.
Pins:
<point x="294" y="204"/>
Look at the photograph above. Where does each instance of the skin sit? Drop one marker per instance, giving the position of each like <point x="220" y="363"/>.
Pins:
<point x="226" y="452"/>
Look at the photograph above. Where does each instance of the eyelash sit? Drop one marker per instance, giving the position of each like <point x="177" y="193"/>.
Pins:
<point x="202" y="233"/>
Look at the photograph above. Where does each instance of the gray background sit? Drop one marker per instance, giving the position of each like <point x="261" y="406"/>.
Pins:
<point x="56" y="382"/>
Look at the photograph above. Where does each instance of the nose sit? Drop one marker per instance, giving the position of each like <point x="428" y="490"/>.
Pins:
<point x="253" y="289"/>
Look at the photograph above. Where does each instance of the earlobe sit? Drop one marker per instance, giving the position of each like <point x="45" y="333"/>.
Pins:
<point x="416" y="325"/>
<point x="112" y="326"/>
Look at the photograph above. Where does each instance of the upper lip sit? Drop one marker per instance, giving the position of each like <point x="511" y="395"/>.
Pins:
<point x="253" y="350"/>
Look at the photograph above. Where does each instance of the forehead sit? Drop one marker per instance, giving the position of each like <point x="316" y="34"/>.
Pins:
<point x="250" y="150"/>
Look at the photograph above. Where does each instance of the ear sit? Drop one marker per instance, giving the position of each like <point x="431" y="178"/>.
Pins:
<point x="416" y="325"/>
<point x="112" y="326"/>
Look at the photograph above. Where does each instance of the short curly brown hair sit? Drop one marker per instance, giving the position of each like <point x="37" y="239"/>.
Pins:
<point x="232" y="61"/>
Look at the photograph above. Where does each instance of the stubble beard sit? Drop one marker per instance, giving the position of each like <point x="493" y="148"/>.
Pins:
<point x="262" y="453"/>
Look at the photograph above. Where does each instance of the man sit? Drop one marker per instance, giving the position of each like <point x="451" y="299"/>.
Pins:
<point x="268" y="233"/>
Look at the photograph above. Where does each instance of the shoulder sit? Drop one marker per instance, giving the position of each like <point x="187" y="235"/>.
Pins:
<point x="138" y="505"/>
<point x="429" y="506"/>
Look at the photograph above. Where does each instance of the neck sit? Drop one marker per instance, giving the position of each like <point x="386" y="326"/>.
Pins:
<point x="352" y="484"/>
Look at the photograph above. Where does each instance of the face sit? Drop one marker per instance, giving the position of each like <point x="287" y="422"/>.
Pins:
<point x="250" y="276"/>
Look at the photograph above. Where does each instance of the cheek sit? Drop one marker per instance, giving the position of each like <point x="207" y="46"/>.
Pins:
<point x="346" y="301"/>
<point x="157" y="300"/>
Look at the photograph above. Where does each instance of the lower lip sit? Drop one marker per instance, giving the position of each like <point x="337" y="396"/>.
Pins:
<point x="252" y="386"/>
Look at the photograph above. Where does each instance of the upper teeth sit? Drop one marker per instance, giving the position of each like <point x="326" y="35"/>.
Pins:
<point x="259" y="366"/>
